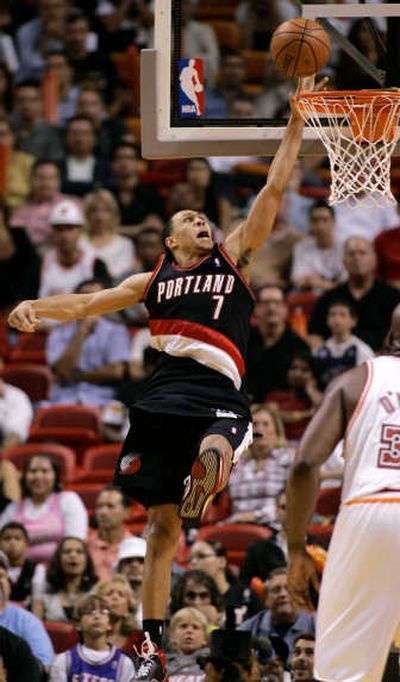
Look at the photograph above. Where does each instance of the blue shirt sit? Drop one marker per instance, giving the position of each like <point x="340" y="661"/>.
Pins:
<point x="31" y="629"/>
<point x="107" y="343"/>
<point x="260" y="625"/>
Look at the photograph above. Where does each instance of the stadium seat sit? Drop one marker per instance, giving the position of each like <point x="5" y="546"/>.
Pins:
<point x="235" y="537"/>
<point x="35" y="380"/>
<point x="256" y="65"/>
<point x="304" y="300"/>
<point x="228" y="33"/>
<point x="88" y="492"/>
<point x="328" y="501"/>
<point x="220" y="510"/>
<point x="223" y="9"/>
<point x="62" y="635"/>
<point x="65" y="457"/>
<point x="98" y="463"/>
<point x="4" y="346"/>
<point x="321" y="533"/>
<point x="75" y="425"/>
<point x="30" y="348"/>
<point x="127" y="65"/>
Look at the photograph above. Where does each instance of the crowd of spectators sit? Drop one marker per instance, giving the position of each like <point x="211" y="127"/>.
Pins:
<point x="81" y="210"/>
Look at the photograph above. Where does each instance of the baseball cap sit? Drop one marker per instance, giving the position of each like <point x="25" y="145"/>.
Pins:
<point x="67" y="212"/>
<point x="4" y="562"/>
<point x="132" y="547"/>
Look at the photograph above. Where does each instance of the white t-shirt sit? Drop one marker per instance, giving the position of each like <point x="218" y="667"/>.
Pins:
<point x="16" y="412"/>
<point x="118" y="254"/>
<point x="364" y="220"/>
<point x="79" y="170"/>
<point x="309" y="259"/>
<point x="58" y="279"/>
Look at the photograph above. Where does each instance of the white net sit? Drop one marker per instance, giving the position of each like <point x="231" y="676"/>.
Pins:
<point x="359" y="131"/>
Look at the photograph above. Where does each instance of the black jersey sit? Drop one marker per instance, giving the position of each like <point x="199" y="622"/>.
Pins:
<point x="200" y="321"/>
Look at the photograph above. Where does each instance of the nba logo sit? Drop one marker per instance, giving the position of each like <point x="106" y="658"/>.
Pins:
<point x="191" y="88"/>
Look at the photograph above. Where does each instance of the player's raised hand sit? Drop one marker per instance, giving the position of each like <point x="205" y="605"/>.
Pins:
<point x="301" y="575"/>
<point x="23" y="317"/>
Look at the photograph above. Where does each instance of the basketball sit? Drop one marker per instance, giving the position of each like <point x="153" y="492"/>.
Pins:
<point x="300" y="47"/>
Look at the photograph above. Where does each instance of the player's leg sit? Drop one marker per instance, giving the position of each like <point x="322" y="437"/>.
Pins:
<point x="219" y="449"/>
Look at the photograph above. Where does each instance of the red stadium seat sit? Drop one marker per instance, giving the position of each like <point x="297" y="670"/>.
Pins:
<point x="219" y="511"/>
<point x="88" y="492"/>
<point x="98" y="463"/>
<point x="328" y="501"/>
<point x="35" y="380"/>
<point x="65" y="457"/>
<point x="320" y="533"/>
<point x="75" y="425"/>
<point x="228" y="33"/>
<point x="62" y="635"/>
<point x="30" y="348"/>
<point x="304" y="300"/>
<point x="235" y="537"/>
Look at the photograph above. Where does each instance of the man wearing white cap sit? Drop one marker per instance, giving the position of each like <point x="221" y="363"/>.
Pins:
<point x="131" y="564"/>
<point x="70" y="261"/>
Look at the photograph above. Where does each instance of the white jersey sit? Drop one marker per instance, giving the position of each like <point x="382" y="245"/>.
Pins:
<point x="372" y="441"/>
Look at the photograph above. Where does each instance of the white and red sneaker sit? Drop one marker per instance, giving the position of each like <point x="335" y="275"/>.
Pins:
<point x="150" y="663"/>
<point x="207" y="477"/>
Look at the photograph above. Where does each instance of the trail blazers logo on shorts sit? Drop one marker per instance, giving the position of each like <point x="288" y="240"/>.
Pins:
<point x="191" y="88"/>
<point x="130" y="463"/>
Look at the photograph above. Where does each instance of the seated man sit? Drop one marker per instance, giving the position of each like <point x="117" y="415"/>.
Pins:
<point x="21" y="622"/>
<point x="87" y="357"/>
<point x="111" y="512"/>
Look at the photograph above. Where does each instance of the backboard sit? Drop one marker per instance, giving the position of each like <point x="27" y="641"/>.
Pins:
<point x="174" y="125"/>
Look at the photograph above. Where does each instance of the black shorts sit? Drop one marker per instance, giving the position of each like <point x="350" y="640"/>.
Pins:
<point x="159" y="451"/>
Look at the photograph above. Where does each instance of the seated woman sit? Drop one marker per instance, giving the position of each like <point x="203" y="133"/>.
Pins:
<point x="102" y="223"/>
<point x="297" y="403"/>
<point x="211" y="558"/>
<point x="197" y="589"/>
<point x="69" y="577"/>
<point x="46" y="511"/>
<point x="188" y="636"/>
<point x="261" y="472"/>
<point x="118" y="594"/>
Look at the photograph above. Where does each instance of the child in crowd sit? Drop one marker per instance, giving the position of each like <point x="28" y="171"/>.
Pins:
<point x="188" y="634"/>
<point x="343" y="350"/>
<point x="93" y="658"/>
<point x="14" y="542"/>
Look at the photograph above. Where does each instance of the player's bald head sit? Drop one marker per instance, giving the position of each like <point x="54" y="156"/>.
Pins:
<point x="392" y="341"/>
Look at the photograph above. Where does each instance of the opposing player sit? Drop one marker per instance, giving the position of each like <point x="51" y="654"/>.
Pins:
<point x="192" y="421"/>
<point x="358" y="611"/>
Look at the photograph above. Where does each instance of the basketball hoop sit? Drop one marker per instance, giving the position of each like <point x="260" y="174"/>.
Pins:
<point x="359" y="131"/>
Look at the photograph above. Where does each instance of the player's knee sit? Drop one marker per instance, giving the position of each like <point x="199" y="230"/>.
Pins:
<point x="163" y="533"/>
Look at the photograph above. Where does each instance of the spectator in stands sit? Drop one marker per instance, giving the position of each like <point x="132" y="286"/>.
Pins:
<point x="94" y="657"/>
<point x="16" y="415"/>
<point x="14" y="542"/>
<point x="34" y="135"/>
<point x="149" y="247"/>
<point x="273" y="102"/>
<point x="342" y="350"/>
<point x="131" y="564"/>
<point x="111" y="513"/>
<point x="81" y="169"/>
<point x="199" y="174"/>
<point x="71" y="260"/>
<point x="273" y="263"/>
<point x="125" y="24"/>
<point x="317" y="260"/>
<point x="6" y="91"/>
<point x="109" y="129"/>
<point x="211" y="557"/>
<point x="281" y="619"/>
<point x="102" y="222"/>
<point x="230" y="86"/>
<point x="264" y="555"/>
<point x="121" y="601"/>
<point x="298" y="205"/>
<point x="22" y="623"/>
<point x="199" y="41"/>
<point x="17" y="663"/>
<point x="198" y="590"/>
<point x="262" y="472"/>
<point x="296" y="404"/>
<point x="87" y="357"/>
<point x="272" y="344"/>
<point x="19" y="166"/>
<point x="69" y="577"/>
<point x="93" y="63"/>
<point x="34" y="216"/>
<point x="387" y="249"/>
<point x="258" y="20"/>
<point x="136" y="201"/>
<point x="372" y="300"/>
<point x="19" y="263"/>
<point x="365" y="220"/>
<point x="35" y="37"/>
<point x="350" y="75"/>
<point x="188" y="635"/>
<point x="302" y="659"/>
<point x="68" y="93"/>
<point x="47" y="512"/>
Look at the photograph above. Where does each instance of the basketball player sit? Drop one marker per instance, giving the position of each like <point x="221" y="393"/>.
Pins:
<point x="192" y="421"/>
<point x="358" y="609"/>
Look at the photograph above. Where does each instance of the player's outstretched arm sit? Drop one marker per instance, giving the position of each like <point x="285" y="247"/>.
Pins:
<point x="244" y="242"/>
<point x="66" y="307"/>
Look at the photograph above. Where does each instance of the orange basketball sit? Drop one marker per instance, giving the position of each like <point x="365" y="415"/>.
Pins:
<point x="300" y="47"/>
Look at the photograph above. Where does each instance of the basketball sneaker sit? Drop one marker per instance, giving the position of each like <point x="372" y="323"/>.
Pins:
<point x="150" y="663"/>
<point x="207" y="477"/>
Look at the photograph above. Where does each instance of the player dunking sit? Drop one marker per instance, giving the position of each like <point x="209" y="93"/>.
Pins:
<point x="358" y="611"/>
<point x="192" y="421"/>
